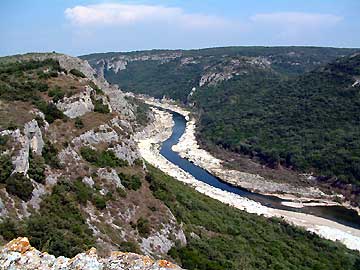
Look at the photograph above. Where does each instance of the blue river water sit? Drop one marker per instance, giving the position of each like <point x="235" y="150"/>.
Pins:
<point x="335" y="213"/>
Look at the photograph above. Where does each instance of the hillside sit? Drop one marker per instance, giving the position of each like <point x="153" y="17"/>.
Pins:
<point x="72" y="178"/>
<point x="176" y="73"/>
<point x="285" y="107"/>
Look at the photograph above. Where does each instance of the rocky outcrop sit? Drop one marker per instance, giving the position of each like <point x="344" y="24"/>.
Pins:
<point x="77" y="105"/>
<point x="19" y="254"/>
<point x="110" y="175"/>
<point x="34" y="135"/>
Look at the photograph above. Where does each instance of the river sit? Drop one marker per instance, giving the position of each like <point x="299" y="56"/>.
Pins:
<point x="338" y="214"/>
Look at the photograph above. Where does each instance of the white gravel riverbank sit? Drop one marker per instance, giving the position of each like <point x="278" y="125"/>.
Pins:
<point x="149" y="143"/>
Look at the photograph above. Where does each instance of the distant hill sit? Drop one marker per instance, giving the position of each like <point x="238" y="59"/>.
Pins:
<point x="290" y="106"/>
<point x="175" y="72"/>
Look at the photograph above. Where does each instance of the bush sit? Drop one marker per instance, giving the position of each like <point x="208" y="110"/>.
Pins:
<point x="56" y="93"/>
<point x="49" y="153"/>
<point x="128" y="246"/>
<point x="130" y="182"/>
<point x="143" y="227"/>
<point x="19" y="185"/>
<point x="50" y="110"/>
<point x="77" y="73"/>
<point x="79" y="123"/>
<point x="96" y="88"/>
<point x="100" y="107"/>
<point x="60" y="228"/>
<point x="104" y="158"/>
<point x="37" y="168"/>
<point x="6" y="167"/>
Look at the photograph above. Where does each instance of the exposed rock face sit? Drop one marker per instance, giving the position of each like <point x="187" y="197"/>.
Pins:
<point x="19" y="254"/>
<point x="234" y="67"/>
<point x="20" y="156"/>
<point x="33" y="133"/>
<point x="110" y="175"/>
<point x="160" y="241"/>
<point x="77" y="105"/>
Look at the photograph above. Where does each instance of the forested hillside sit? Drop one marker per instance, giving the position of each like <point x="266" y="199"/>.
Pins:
<point x="295" y="107"/>
<point x="175" y="73"/>
<point x="310" y="123"/>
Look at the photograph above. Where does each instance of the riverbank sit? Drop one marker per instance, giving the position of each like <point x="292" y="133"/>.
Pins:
<point x="149" y="144"/>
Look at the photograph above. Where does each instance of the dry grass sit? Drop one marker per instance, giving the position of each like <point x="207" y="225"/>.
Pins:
<point x="16" y="112"/>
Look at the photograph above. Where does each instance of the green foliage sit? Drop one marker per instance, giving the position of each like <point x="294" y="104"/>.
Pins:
<point x="49" y="154"/>
<point x="132" y="182"/>
<point x="6" y="167"/>
<point x="50" y="110"/>
<point x="19" y="80"/>
<point x="9" y="229"/>
<point x="19" y="185"/>
<point x="176" y="78"/>
<point x="77" y="73"/>
<point x="56" y="93"/>
<point x="85" y="193"/>
<point x="129" y="246"/>
<point x="60" y="228"/>
<point x="36" y="168"/>
<point x="233" y="239"/>
<point x="105" y="158"/>
<point x="100" y="107"/>
<point x="79" y="123"/>
<point x="97" y="89"/>
<point x="143" y="227"/>
<point x="309" y="123"/>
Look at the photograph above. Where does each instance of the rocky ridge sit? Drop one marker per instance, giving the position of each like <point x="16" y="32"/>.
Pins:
<point x="19" y="254"/>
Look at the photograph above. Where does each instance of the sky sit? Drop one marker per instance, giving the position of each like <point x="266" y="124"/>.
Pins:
<point x="78" y="27"/>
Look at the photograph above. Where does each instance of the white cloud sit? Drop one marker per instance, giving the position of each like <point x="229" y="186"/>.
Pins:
<point x="298" y="19"/>
<point x="127" y="14"/>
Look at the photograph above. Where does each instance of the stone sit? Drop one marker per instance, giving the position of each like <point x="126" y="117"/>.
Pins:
<point x="19" y="254"/>
<point x="34" y="135"/>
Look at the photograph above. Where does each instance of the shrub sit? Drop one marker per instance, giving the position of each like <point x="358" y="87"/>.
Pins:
<point x="99" y="201"/>
<point x="128" y="246"/>
<point x="96" y="88"/>
<point x="77" y="73"/>
<point x="79" y="123"/>
<point x="143" y="227"/>
<point x="19" y="185"/>
<point x="130" y="182"/>
<point x="49" y="153"/>
<point x="37" y="168"/>
<point x="104" y="158"/>
<point x="59" y="227"/>
<point x="100" y="107"/>
<point x="50" y="110"/>
<point x="6" y="167"/>
<point x="56" y="93"/>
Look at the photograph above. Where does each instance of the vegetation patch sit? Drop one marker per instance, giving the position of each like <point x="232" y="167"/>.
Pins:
<point x="36" y="168"/>
<point x="49" y="154"/>
<point x="19" y="185"/>
<point x="6" y="167"/>
<point x="233" y="239"/>
<point x="77" y="73"/>
<point x="132" y="182"/>
<point x="105" y="158"/>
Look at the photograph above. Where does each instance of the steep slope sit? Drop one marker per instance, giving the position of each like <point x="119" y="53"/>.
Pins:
<point x="71" y="175"/>
<point x="72" y="179"/>
<point x="309" y="123"/>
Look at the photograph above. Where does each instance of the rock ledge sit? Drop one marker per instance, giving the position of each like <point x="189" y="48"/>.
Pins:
<point x="19" y="254"/>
